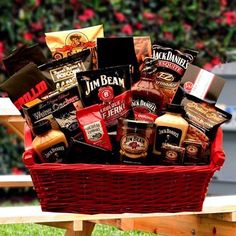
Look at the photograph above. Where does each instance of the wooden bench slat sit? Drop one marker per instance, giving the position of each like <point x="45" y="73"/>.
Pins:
<point x="15" y="181"/>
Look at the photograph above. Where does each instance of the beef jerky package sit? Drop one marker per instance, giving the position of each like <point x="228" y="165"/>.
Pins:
<point x="66" y="43"/>
<point x="22" y="56"/>
<point x="63" y="71"/>
<point x="200" y="83"/>
<point x="26" y="85"/>
<point x="117" y="51"/>
<point x="171" y="65"/>
<point x="110" y="88"/>
<point x="203" y="118"/>
<point x="93" y="127"/>
<point x="67" y="121"/>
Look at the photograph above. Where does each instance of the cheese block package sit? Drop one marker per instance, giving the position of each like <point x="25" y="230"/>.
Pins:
<point x="68" y="42"/>
<point x="110" y="88"/>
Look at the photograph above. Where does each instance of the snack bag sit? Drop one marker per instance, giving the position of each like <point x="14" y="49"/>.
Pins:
<point x="110" y="88"/>
<point x="203" y="117"/>
<point x="93" y="127"/>
<point x="171" y="65"/>
<point x="63" y="71"/>
<point x="143" y="49"/>
<point x="66" y="43"/>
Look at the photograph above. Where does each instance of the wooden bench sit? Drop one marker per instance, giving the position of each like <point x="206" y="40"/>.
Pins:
<point x="15" y="181"/>
<point x="217" y="218"/>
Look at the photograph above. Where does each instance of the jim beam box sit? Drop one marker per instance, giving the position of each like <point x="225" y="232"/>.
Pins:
<point x="202" y="84"/>
<point x="35" y="112"/>
<point x="110" y="88"/>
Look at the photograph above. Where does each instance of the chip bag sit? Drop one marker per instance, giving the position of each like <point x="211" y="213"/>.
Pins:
<point x="66" y="43"/>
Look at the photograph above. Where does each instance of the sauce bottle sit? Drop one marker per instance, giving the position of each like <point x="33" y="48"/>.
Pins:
<point x="147" y="98"/>
<point x="50" y="145"/>
<point x="171" y="128"/>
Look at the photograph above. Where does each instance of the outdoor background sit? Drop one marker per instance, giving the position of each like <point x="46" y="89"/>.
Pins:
<point x="208" y="26"/>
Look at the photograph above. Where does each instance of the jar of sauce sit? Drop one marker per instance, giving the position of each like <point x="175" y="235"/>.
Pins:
<point x="50" y="145"/>
<point x="136" y="140"/>
<point x="171" y="128"/>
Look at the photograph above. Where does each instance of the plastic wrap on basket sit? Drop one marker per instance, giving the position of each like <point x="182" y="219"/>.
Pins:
<point x="100" y="188"/>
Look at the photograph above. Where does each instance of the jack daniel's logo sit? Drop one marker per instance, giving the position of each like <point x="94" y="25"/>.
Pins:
<point x="103" y="80"/>
<point x="169" y="56"/>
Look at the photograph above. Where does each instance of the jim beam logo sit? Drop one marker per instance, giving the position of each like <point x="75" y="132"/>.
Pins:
<point x="133" y="143"/>
<point x="103" y="80"/>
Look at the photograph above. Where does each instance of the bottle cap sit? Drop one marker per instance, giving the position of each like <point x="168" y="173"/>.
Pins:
<point x="42" y="127"/>
<point x="175" y="108"/>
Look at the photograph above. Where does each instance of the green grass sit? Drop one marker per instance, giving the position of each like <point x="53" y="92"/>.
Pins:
<point x="42" y="230"/>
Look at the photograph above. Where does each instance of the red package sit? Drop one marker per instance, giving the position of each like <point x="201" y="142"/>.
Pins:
<point x="93" y="127"/>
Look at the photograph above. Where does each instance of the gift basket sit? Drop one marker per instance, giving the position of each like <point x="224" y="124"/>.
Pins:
<point x="117" y="125"/>
<point x="94" y="188"/>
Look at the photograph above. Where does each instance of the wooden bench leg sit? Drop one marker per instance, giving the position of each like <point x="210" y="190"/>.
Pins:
<point x="74" y="228"/>
<point x="86" y="230"/>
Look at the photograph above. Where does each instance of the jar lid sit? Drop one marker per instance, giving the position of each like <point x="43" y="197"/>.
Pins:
<point x="175" y="108"/>
<point x="42" y="127"/>
<point x="136" y="123"/>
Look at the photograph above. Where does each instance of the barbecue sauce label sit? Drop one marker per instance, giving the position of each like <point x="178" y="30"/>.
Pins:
<point x="110" y="88"/>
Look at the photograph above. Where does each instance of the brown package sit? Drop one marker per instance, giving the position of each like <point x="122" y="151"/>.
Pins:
<point x="26" y="85"/>
<point x="22" y="56"/>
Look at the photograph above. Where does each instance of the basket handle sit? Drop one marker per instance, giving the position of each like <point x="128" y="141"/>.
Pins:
<point x="217" y="153"/>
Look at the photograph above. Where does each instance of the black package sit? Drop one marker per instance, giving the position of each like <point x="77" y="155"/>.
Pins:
<point x="195" y="153"/>
<point x="81" y="152"/>
<point x="22" y="56"/>
<point x="63" y="71"/>
<point x="67" y="121"/>
<point x="26" y="85"/>
<point x="203" y="117"/>
<point x="117" y="51"/>
<point x="110" y="88"/>
<point x="170" y="67"/>
<point x="45" y="108"/>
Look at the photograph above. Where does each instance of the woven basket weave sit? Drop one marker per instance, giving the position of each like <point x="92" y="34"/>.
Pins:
<point x="95" y="188"/>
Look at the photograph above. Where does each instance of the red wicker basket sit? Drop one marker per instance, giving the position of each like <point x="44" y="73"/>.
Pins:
<point x="96" y="188"/>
